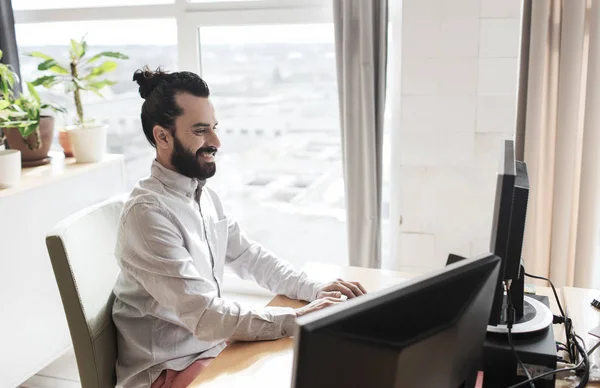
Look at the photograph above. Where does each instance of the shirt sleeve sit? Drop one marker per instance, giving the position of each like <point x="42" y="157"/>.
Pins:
<point x="250" y="260"/>
<point x="152" y="251"/>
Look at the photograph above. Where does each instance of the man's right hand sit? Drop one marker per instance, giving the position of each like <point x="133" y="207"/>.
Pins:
<point x="318" y="304"/>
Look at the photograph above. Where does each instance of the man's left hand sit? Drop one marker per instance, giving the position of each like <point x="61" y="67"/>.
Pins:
<point x="341" y="287"/>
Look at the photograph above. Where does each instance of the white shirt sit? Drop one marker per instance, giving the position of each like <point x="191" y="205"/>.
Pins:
<point x="173" y="243"/>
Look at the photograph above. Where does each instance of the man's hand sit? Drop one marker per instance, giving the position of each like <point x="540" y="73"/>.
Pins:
<point x="317" y="305"/>
<point x="341" y="287"/>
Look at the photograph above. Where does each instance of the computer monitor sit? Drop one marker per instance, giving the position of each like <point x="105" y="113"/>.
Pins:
<point x="508" y="228"/>
<point x="426" y="332"/>
<point x="512" y="269"/>
<point x="501" y="223"/>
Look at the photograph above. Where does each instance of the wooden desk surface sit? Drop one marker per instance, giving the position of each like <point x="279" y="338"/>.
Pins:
<point x="268" y="364"/>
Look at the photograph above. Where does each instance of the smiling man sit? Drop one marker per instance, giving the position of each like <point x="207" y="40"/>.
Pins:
<point x="173" y="243"/>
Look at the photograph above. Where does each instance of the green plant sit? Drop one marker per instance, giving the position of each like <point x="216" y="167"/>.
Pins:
<point x="32" y="106"/>
<point x="79" y="74"/>
<point x="8" y="115"/>
<point x="22" y="112"/>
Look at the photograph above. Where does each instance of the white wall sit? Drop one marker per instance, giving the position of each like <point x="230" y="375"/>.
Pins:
<point x="452" y="107"/>
<point x="33" y="326"/>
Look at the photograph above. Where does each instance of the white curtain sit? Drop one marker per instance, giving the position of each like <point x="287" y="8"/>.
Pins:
<point x="561" y="142"/>
<point x="361" y="54"/>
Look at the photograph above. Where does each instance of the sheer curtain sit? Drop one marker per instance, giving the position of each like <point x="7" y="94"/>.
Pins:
<point x="361" y="56"/>
<point x="561" y="142"/>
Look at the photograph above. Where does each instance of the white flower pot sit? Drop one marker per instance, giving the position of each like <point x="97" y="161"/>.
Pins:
<point x="10" y="168"/>
<point x="89" y="143"/>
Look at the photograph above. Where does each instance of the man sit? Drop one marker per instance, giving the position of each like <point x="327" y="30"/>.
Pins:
<point x="173" y="242"/>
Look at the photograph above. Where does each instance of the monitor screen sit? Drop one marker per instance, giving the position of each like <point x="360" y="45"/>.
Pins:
<point x="427" y="332"/>
<point x="512" y="264"/>
<point x="505" y="184"/>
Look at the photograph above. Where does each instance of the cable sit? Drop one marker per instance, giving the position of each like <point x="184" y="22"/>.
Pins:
<point x="510" y="320"/>
<point x="556" y="319"/>
<point x="512" y="346"/>
<point x="562" y="312"/>
<point x="586" y="371"/>
<point x="589" y="353"/>
<point x="576" y="367"/>
<point x="580" y="347"/>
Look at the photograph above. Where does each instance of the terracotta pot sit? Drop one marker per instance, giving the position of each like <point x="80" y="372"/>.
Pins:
<point x="65" y="142"/>
<point x="35" y="156"/>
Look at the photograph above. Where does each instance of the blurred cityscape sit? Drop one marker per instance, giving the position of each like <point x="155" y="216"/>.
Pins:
<point x="279" y="168"/>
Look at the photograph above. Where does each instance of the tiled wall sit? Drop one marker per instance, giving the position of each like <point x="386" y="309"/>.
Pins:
<point x="453" y="105"/>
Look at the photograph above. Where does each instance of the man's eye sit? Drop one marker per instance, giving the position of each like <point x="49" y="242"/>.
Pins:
<point x="199" y="131"/>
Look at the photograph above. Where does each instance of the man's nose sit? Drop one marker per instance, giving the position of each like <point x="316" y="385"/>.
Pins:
<point x="213" y="140"/>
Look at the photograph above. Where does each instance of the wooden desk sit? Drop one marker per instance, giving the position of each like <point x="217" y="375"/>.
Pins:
<point x="268" y="364"/>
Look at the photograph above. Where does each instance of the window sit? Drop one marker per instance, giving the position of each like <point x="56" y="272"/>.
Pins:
<point x="57" y="4"/>
<point x="151" y="42"/>
<point x="217" y="1"/>
<point x="275" y="93"/>
<point x="271" y="68"/>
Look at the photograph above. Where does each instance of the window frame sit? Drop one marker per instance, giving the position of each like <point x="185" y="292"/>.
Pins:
<point x="190" y="17"/>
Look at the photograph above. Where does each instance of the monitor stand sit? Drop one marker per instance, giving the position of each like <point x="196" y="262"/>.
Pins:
<point x="537" y="351"/>
<point x="533" y="338"/>
<point x="531" y="316"/>
<point x="536" y="317"/>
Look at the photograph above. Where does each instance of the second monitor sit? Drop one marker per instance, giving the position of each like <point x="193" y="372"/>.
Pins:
<point x="427" y="332"/>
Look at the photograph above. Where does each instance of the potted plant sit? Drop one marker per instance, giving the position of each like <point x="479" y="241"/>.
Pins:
<point x="10" y="160"/>
<point x="87" y="139"/>
<point x="24" y="126"/>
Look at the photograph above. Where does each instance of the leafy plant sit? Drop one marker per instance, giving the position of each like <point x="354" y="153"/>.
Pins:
<point x="32" y="106"/>
<point x="8" y="78"/>
<point x="80" y="74"/>
<point x="23" y="112"/>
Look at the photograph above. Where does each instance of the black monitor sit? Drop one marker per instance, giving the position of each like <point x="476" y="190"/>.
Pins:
<point x="513" y="262"/>
<point x="501" y="223"/>
<point x="508" y="228"/>
<point x="426" y="332"/>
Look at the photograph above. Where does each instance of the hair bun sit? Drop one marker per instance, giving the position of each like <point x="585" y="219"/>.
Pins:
<point x="148" y="80"/>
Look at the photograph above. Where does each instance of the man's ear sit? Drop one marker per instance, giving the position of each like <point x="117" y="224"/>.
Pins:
<point x="162" y="136"/>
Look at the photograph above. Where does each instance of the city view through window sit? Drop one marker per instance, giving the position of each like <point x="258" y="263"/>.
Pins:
<point x="279" y="171"/>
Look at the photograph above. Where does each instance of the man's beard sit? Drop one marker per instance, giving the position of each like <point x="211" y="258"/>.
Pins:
<point x="187" y="163"/>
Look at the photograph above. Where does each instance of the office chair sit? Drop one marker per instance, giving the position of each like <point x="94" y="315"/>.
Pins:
<point x="81" y="250"/>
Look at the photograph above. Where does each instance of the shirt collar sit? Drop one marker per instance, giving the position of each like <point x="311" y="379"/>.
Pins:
<point x="189" y="187"/>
